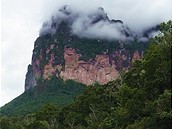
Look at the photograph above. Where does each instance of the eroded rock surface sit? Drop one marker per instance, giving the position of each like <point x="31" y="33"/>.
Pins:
<point x="102" y="69"/>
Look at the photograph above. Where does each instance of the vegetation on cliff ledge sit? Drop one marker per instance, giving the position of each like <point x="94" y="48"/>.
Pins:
<point x="88" y="48"/>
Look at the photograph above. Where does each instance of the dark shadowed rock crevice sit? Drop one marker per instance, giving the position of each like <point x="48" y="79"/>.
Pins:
<point x="30" y="81"/>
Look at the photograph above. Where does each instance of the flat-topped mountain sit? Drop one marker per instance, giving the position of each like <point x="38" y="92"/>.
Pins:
<point x="71" y="46"/>
<point x="76" y="49"/>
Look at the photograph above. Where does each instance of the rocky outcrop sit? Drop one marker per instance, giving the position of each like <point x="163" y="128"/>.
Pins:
<point x="97" y="70"/>
<point x="30" y="81"/>
<point x="136" y="56"/>
<point x="62" y="51"/>
<point x="102" y="69"/>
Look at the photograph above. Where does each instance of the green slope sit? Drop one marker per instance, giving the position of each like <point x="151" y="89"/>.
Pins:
<point x="56" y="91"/>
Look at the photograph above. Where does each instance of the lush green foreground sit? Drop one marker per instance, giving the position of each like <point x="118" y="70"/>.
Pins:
<point x="56" y="91"/>
<point x="139" y="99"/>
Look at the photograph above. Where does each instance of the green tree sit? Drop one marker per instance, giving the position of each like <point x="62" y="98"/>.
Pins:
<point x="39" y="125"/>
<point x="48" y="113"/>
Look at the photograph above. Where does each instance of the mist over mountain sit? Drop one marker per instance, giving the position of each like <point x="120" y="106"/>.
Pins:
<point x="85" y="46"/>
<point x="19" y="18"/>
<point x="77" y="48"/>
<point x="94" y="24"/>
<point x="90" y="69"/>
<point x="92" y="64"/>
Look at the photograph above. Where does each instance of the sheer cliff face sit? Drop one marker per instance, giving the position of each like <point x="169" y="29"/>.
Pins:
<point x="102" y="69"/>
<point x="61" y="52"/>
<point x="98" y="70"/>
<point x="30" y="81"/>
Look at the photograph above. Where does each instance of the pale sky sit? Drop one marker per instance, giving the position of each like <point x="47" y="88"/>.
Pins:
<point x="21" y="21"/>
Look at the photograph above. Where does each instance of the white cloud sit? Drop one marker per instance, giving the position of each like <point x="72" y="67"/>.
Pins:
<point x="100" y="30"/>
<point x="90" y="24"/>
<point x="22" y="19"/>
<point x="136" y="14"/>
<point x="139" y="14"/>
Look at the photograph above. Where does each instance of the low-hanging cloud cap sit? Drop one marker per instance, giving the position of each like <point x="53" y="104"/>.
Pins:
<point x="90" y="24"/>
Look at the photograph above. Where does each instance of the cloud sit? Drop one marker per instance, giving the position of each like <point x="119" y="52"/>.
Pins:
<point x="90" y="24"/>
<point x="101" y="30"/>
<point x="138" y="15"/>
<point x="154" y="33"/>
<point x="141" y="14"/>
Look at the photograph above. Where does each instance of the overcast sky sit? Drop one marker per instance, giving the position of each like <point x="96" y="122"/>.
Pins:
<point x="21" y="21"/>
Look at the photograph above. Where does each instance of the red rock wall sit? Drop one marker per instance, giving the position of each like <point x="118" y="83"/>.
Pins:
<point x="102" y="69"/>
